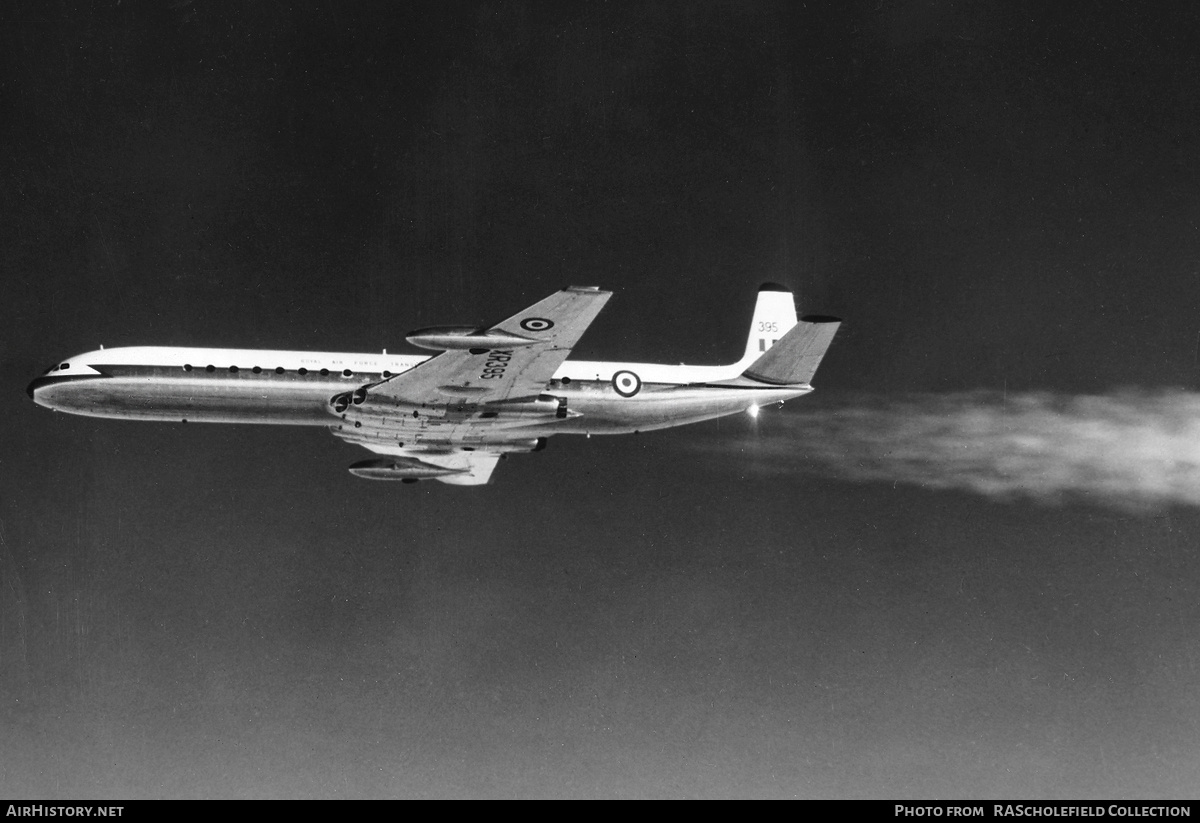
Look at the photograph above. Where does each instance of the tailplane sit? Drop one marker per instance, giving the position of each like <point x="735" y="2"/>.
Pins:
<point x="795" y="356"/>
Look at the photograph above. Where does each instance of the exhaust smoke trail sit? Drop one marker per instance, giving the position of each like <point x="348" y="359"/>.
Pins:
<point x="1132" y="450"/>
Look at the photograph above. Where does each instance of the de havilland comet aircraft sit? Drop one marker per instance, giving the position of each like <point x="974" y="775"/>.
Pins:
<point x="453" y="415"/>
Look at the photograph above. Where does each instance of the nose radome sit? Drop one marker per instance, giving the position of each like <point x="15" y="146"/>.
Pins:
<point x="38" y="382"/>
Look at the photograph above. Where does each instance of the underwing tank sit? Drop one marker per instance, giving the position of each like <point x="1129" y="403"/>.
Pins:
<point x="443" y="338"/>
<point x="400" y="468"/>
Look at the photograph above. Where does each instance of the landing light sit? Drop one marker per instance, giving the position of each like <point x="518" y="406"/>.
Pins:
<point x="752" y="411"/>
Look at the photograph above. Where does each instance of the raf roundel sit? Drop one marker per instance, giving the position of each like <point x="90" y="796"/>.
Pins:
<point x="536" y="324"/>
<point x="626" y="383"/>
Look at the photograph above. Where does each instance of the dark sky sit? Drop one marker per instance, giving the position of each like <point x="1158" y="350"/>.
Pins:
<point x="997" y="199"/>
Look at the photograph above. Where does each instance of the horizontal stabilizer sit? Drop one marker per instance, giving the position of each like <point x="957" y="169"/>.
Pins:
<point x="794" y="359"/>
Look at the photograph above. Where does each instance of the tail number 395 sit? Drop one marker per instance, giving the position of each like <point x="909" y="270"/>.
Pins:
<point x="496" y="363"/>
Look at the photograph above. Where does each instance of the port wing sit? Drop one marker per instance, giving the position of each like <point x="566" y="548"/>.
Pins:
<point x="491" y="375"/>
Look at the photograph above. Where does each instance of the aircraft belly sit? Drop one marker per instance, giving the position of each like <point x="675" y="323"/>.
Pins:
<point x="594" y="409"/>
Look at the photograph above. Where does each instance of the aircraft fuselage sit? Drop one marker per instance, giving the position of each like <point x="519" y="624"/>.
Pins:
<point x="451" y="416"/>
<point x="298" y="388"/>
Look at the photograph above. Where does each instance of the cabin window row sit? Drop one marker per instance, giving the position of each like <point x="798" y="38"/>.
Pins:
<point x="278" y="370"/>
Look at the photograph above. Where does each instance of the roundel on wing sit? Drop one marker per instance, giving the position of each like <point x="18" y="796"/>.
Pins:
<point x="536" y="324"/>
<point x="626" y="383"/>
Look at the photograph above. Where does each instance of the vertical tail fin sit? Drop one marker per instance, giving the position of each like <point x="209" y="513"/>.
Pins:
<point x="774" y="316"/>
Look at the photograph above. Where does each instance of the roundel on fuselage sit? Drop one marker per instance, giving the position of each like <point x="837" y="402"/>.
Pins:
<point x="626" y="383"/>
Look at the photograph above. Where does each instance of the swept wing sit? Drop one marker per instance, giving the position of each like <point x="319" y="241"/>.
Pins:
<point x="440" y="420"/>
<point x="491" y="375"/>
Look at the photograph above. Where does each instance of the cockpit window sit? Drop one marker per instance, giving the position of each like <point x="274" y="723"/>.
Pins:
<point x="52" y="368"/>
<point x="65" y="366"/>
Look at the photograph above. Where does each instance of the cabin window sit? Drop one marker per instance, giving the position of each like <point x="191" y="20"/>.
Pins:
<point x="233" y="369"/>
<point x="387" y="373"/>
<point x="279" y="369"/>
<point x="566" y="381"/>
<point x="187" y="366"/>
<point x="257" y="370"/>
<point x="65" y="366"/>
<point x="302" y="370"/>
<point x="347" y="373"/>
<point x="324" y="372"/>
<point x="210" y="368"/>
